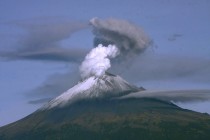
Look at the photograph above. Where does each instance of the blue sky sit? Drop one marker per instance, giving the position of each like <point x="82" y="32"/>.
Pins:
<point x="180" y="58"/>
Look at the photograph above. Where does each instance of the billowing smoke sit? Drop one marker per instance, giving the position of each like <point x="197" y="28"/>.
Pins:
<point x="97" y="61"/>
<point x="129" y="38"/>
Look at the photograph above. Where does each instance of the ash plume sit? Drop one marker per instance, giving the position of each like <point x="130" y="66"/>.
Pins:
<point x="129" y="38"/>
<point x="97" y="61"/>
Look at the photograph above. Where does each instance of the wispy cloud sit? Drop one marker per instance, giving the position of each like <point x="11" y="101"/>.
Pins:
<point x="47" y="54"/>
<point x="42" y="40"/>
<point x="174" y="95"/>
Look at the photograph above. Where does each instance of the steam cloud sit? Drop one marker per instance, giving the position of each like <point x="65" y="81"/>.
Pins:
<point x="98" y="61"/>
<point x="129" y="38"/>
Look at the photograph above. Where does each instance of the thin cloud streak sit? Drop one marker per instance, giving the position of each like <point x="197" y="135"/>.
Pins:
<point x="173" y="95"/>
<point x="42" y="41"/>
<point x="47" y="54"/>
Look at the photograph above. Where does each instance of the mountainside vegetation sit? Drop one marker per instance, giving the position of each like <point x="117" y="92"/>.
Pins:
<point x="116" y="119"/>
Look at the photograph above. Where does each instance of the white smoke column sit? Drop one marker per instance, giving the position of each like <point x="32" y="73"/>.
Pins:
<point x="97" y="61"/>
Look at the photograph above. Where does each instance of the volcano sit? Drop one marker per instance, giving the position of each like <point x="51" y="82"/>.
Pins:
<point x="106" y="86"/>
<point x="91" y="111"/>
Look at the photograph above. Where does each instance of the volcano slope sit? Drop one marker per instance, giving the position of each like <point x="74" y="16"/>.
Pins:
<point x="111" y="119"/>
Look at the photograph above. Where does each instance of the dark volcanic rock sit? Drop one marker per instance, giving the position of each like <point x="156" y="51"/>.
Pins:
<point x="126" y="119"/>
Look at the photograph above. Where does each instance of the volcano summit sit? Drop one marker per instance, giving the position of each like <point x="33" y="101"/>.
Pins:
<point x="104" y="87"/>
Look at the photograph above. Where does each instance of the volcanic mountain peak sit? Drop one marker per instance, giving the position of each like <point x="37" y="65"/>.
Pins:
<point x="106" y="86"/>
